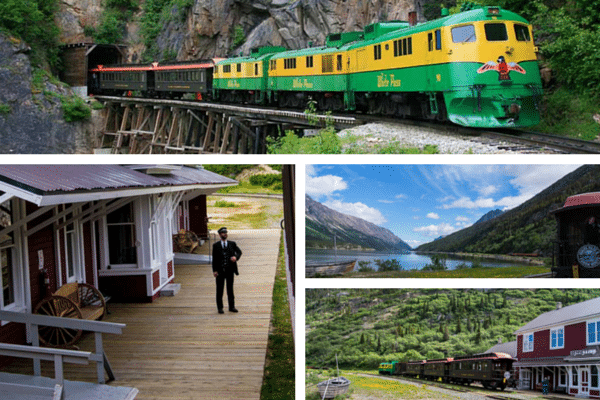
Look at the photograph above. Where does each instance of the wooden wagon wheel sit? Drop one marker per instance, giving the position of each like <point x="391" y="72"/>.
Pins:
<point x="58" y="306"/>
<point x="90" y="296"/>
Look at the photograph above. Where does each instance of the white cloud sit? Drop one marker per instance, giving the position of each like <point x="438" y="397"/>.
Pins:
<point x="436" y="230"/>
<point x="359" y="210"/>
<point x="487" y="190"/>
<point x="324" y="185"/>
<point x="462" y="219"/>
<point x="401" y="196"/>
<point x="416" y="217"/>
<point x="433" y="215"/>
<point x="386" y="201"/>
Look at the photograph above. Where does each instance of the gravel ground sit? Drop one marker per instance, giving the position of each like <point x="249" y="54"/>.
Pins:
<point x="377" y="134"/>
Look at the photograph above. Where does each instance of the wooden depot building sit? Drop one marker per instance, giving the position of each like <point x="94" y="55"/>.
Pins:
<point x="110" y="226"/>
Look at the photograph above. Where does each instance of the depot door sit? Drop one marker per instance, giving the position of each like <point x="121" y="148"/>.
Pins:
<point x="584" y="380"/>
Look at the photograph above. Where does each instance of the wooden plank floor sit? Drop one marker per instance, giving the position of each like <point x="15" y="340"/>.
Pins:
<point x="180" y="347"/>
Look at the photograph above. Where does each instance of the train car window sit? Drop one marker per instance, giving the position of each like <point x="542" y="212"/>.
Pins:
<point x="438" y="39"/>
<point x="339" y="61"/>
<point x="495" y="32"/>
<point x="227" y="68"/>
<point x="463" y="34"/>
<point x="239" y="67"/>
<point x="256" y="69"/>
<point x="522" y="33"/>
<point x="309" y="61"/>
<point x="430" y="41"/>
<point x="409" y="45"/>
<point x="377" y="52"/>
<point x="272" y="64"/>
<point x="327" y="63"/>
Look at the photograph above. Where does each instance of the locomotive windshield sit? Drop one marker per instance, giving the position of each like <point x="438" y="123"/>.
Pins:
<point x="495" y="32"/>
<point x="522" y="33"/>
<point x="463" y="34"/>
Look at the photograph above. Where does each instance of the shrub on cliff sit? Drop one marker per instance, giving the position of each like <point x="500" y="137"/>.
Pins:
<point x="75" y="109"/>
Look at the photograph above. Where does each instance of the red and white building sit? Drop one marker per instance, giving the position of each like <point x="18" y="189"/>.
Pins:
<point x="110" y="226"/>
<point x="563" y="345"/>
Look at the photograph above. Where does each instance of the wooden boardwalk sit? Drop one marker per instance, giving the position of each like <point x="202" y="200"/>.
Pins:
<point x="180" y="347"/>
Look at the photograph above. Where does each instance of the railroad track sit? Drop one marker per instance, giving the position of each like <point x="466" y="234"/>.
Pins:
<point x="506" y="139"/>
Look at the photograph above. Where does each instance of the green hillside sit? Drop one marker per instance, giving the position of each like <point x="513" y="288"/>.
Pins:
<point x="366" y="326"/>
<point x="527" y="228"/>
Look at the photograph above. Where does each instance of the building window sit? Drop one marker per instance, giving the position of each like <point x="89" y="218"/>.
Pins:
<point x="528" y="342"/>
<point x="557" y="338"/>
<point x="7" y="259"/>
<point x="593" y="332"/>
<point x="121" y="236"/>
<point x="70" y="248"/>
<point x="594" y="383"/>
<point x="574" y="376"/>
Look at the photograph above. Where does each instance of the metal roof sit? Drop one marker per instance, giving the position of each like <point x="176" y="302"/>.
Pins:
<point x="73" y="183"/>
<point x="563" y="316"/>
<point x="508" y="348"/>
<point x="580" y="200"/>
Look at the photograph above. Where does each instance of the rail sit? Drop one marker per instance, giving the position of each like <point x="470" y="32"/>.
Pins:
<point x="59" y="356"/>
<point x="34" y="321"/>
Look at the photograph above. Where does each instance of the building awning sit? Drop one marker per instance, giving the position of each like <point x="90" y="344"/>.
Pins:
<point x="556" y="362"/>
<point x="60" y="184"/>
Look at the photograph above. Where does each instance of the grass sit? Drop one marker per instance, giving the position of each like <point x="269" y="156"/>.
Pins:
<point x="224" y="203"/>
<point x="376" y="388"/>
<point x="5" y="109"/>
<point x="248" y="188"/>
<point x="280" y="374"/>
<point x="482" y="272"/>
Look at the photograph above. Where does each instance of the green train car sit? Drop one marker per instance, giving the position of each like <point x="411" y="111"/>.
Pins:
<point x="244" y="79"/>
<point x="391" y="368"/>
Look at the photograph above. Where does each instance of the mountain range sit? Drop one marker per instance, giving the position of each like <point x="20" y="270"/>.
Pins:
<point x="322" y="223"/>
<point x="528" y="228"/>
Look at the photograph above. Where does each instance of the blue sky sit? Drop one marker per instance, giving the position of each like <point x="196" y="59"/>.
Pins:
<point x="419" y="203"/>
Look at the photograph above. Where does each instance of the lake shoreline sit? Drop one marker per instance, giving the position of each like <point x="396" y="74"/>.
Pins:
<point x="500" y="257"/>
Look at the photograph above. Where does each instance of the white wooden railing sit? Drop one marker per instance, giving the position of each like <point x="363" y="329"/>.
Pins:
<point x="98" y="327"/>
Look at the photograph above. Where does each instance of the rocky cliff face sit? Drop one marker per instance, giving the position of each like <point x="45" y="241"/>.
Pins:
<point x="31" y="112"/>
<point x="322" y="223"/>
<point x="210" y="24"/>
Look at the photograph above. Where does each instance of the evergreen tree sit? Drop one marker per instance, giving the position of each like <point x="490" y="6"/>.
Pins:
<point x="446" y="334"/>
<point x="458" y="327"/>
<point x="469" y="328"/>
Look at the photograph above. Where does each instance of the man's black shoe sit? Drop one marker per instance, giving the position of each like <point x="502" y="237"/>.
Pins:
<point x="233" y="310"/>
<point x="221" y="311"/>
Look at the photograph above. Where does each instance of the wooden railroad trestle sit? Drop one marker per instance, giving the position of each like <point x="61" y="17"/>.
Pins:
<point x="134" y="128"/>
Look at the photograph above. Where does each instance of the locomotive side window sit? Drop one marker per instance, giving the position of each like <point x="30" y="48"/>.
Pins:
<point x="327" y="63"/>
<point x="227" y="68"/>
<point x="309" y="61"/>
<point x="256" y="69"/>
<point x="402" y="47"/>
<point x="239" y="67"/>
<point x="430" y="41"/>
<point x="272" y="64"/>
<point x="438" y="39"/>
<point x="377" y="52"/>
<point x="463" y="34"/>
<point x="339" y="60"/>
<point x="522" y="33"/>
<point x="496" y="32"/>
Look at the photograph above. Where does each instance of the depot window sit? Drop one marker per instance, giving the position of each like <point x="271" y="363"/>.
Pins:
<point x="463" y="34"/>
<point x="593" y="332"/>
<point x="528" y="342"/>
<point x="557" y="338"/>
<point x="522" y="33"/>
<point x="495" y="32"/>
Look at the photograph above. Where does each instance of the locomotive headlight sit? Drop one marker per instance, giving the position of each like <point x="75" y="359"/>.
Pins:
<point x="514" y="109"/>
<point x="493" y="11"/>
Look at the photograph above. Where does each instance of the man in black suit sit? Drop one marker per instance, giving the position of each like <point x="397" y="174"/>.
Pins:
<point x="224" y="264"/>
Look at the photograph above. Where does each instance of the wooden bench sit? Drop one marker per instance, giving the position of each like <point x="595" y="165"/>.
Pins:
<point x="73" y="300"/>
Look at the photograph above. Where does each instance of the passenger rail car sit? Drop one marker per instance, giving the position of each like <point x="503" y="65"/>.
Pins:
<point x="577" y="248"/>
<point x="477" y="68"/>
<point x="492" y="370"/>
<point x="169" y="80"/>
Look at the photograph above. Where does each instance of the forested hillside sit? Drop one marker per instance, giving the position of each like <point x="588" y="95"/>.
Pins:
<point x="527" y="228"/>
<point x="366" y="326"/>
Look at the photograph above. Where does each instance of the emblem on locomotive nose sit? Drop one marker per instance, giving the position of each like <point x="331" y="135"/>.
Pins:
<point x="502" y="67"/>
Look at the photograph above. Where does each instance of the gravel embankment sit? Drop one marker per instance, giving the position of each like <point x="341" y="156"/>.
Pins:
<point x="378" y="134"/>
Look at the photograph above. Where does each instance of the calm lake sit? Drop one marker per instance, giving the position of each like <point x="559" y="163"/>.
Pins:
<point x="407" y="261"/>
